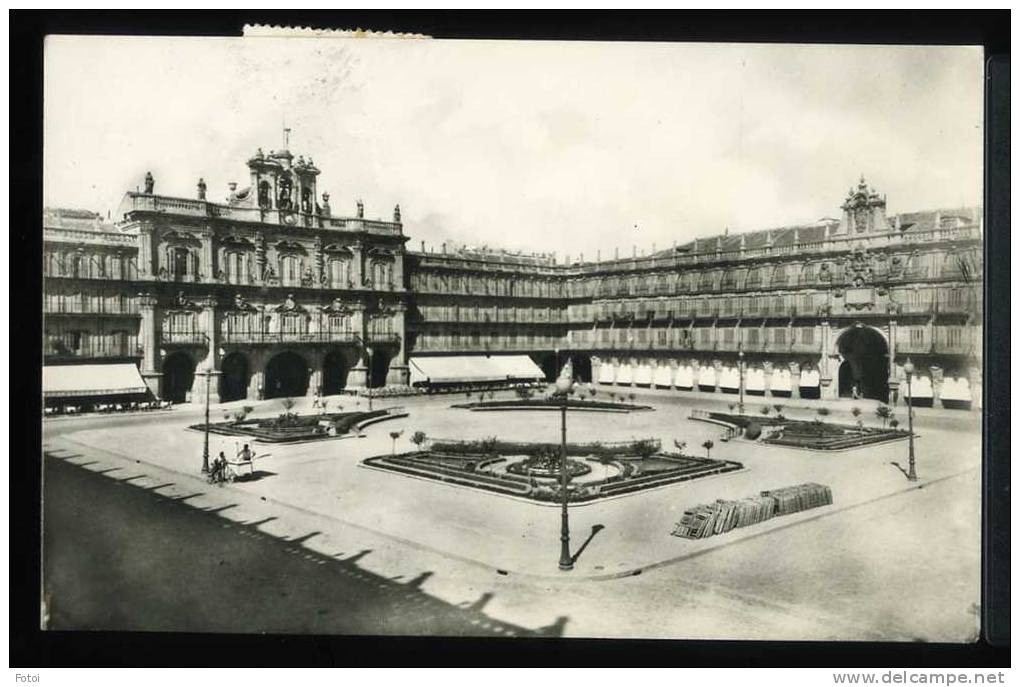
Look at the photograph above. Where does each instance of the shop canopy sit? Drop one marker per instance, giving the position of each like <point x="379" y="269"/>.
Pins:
<point x="472" y="368"/>
<point x="517" y="367"/>
<point x="75" y="381"/>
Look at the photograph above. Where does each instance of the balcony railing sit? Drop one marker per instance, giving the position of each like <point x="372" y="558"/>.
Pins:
<point x="92" y="349"/>
<point x="142" y="202"/>
<point x="128" y="308"/>
<point x="257" y="337"/>
<point x="182" y="337"/>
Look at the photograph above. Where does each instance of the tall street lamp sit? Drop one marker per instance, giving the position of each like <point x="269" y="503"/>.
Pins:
<point x="205" y="445"/>
<point x="563" y="387"/>
<point x="908" y="368"/>
<point x="740" y="355"/>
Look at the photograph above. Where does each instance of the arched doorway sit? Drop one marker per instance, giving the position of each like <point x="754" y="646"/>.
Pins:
<point x="379" y="367"/>
<point x="582" y="367"/>
<point x="334" y="373"/>
<point x="549" y="366"/>
<point x="286" y="375"/>
<point x="234" y="377"/>
<point x="178" y="376"/>
<point x="865" y="364"/>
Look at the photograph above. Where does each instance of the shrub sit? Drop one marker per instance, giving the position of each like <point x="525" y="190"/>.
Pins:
<point x="418" y="438"/>
<point x="884" y="413"/>
<point x="765" y="410"/>
<point x="732" y="407"/>
<point x="894" y="423"/>
<point x="779" y="409"/>
<point x="753" y="431"/>
<point x="822" y="411"/>
<point x="708" y="445"/>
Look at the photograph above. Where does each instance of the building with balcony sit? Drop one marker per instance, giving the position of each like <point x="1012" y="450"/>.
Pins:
<point x="270" y="293"/>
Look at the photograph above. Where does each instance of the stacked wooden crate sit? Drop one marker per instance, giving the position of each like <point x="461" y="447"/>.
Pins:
<point x="722" y="516"/>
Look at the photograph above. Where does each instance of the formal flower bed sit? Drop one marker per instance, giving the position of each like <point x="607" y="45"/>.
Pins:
<point x="553" y="404"/>
<point x="498" y="467"/>
<point x="292" y="427"/>
<point x="813" y="434"/>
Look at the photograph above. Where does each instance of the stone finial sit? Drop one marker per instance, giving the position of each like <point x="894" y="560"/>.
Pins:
<point x="325" y="203"/>
<point x="259" y="155"/>
<point x="396" y="213"/>
<point x="361" y="209"/>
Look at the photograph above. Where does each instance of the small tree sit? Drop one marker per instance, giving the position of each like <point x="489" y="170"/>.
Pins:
<point x="418" y="438"/>
<point x="765" y="410"/>
<point x="394" y="436"/>
<point x="732" y="407"/>
<point x="631" y="396"/>
<point x="856" y="412"/>
<point x="287" y="404"/>
<point x="592" y="391"/>
<point x="884" y="413"/>
<point x="778" y="407"/>
<point x="708" y="448"/>
<point x="823" y="411"/>
<point x="894" y="423"/>
<point x="680" y="445"/>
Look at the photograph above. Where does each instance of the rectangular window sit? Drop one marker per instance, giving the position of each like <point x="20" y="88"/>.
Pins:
<point x="752" y="336"/>
<point x="807" y="335"/>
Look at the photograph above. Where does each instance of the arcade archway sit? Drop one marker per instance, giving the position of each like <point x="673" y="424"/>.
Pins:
<point x="582" y="367"/>
<point x="865" y="364"/>
<point x="550" y="366"/>
<point x="379" y="368"/>
<point x="178" y="376"/>
<point x="234" y="378"/>
<point x="286" y="375"/>
<point x="334" y="373"/>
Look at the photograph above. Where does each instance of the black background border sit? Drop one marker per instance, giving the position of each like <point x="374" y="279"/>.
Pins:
<point x="29" y="647"/>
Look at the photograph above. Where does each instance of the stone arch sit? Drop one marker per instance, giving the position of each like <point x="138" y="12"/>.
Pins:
<point x="863" y="352"/>
<point x="286" y="375"/>
<point x="178" y="376"/>
<point x="235" y="377"/>
<point x="335" y="367"/>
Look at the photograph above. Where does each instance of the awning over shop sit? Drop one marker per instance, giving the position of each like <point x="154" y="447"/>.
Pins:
<point x="605" y="373"/>
<point x="517" y="367"/>
<point x="662" y="375"/>
<point x="920" y="387"/>
<point x="74" y="381"/>
<point x="643" y="374"/>
<point x="454" y="369"/>
<point x="754" y="379"/>
<point x="623" y="375"/>
<point x="956" y="389"/>
<point x="810" y="378"/>
<point x="729" y="378"/>
<point x="706" y="376"/>
<point x="684" y="377"/>
<point x="780" y="380"/>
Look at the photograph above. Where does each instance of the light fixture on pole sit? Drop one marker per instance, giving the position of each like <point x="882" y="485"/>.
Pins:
<point x="908" y="368"/>
<point x="563" y="387"/>
<point x="740" y="364"/>
<point x="207" y="373"/>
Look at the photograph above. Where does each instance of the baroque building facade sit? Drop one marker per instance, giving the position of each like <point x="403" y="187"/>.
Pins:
<point x="270" y="293"/>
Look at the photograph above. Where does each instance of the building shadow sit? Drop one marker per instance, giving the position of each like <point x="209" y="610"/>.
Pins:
<point x="248" y="584"/>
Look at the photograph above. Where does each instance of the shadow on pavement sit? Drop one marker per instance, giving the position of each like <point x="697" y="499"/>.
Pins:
<point x="118" y="556"/>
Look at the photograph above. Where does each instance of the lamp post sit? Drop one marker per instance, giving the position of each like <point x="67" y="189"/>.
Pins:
<point x="740" y="364"/>
<point x="908" y="368"/>
<point x="563" y="387"/>
<point x="207" y="373"/>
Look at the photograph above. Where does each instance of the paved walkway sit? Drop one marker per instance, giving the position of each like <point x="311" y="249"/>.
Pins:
<point x="482" y="542"/>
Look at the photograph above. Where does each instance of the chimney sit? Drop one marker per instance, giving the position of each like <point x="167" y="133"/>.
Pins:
<point x="633" y="251"/>
<point x="616" y="253"/>
<point x="598" y="256"/>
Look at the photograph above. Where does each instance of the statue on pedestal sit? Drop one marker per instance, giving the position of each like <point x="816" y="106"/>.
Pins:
<point x="150" y="183"/>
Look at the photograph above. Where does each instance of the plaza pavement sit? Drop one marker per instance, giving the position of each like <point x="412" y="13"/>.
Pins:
<point x="839" y="573"/>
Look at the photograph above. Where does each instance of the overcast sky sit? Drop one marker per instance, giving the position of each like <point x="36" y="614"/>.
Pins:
<point x="553" y="146"/>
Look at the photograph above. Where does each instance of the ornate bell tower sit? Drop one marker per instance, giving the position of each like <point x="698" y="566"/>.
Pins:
<point x="863" y="211"/>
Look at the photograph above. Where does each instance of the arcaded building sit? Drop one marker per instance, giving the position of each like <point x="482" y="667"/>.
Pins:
<point x="271" y="292"/>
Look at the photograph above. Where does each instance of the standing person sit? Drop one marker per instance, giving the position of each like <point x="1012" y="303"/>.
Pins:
<point x="246" y="454"/>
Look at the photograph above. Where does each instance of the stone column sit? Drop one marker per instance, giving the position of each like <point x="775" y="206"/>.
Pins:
<point x="976" y="388"/>
<point x="146" y="264"/>
<point x="207" y="321"/>
<point x="358" y="266"/>
<point x="357" y="378"/>
<point x="257" y="382"/>
<point x="399" y="373"/>
<point x="717" y="364"/>
<point x="315" y="358"/>
<point x="826" y="388"/>
<point x="894" y="384"/>
<point x="766" y="369"/>
<point x="794" y="380"/>
<point x="937" y="378"/>
<point x="207" y="265"/>
<point x="150" y="344"/>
